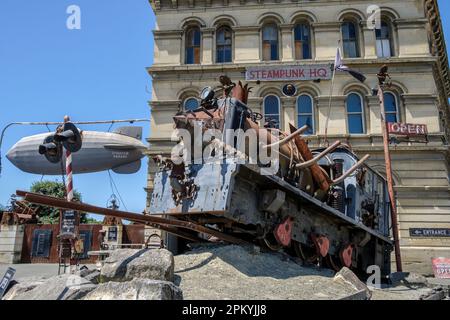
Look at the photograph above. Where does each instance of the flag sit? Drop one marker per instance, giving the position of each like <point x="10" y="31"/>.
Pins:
<point x="338" y="65"/>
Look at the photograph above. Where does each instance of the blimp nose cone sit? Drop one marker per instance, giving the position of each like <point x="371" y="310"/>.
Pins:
<point x="12" y="154"/>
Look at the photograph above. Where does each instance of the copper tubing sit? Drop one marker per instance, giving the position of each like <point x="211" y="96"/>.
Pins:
<point x="288" y="138"/>
<point x="313" y="161"/>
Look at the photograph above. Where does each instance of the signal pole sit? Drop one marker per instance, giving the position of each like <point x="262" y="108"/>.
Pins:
<point x="382" y="76"/>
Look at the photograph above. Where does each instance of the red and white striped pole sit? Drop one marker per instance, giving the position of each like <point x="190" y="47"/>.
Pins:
<point x="69" y="179"/>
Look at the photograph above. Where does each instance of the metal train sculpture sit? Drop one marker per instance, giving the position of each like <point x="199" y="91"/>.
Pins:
<point x="325" y="206"/>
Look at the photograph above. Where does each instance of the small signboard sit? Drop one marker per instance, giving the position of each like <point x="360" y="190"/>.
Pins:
<point x="407" y="129"/>
<point x="429" y="233"/>
<point x="6" y="280"/>
<point x="112" y="234"/>
<point x="289" y="73"/>
<point x="441" y="268"/>
<point x="68" y="224"/>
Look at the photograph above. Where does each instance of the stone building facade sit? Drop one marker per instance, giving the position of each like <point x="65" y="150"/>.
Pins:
<point x="195" y="41"/>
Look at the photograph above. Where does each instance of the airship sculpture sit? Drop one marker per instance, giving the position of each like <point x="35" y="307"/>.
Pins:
<point x="120" y="151"/>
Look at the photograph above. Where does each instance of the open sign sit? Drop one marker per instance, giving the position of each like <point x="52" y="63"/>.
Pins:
<point x="407" y="129"/>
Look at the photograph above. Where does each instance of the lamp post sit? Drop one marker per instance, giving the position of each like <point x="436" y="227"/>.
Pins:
<point x="382" y="77"/>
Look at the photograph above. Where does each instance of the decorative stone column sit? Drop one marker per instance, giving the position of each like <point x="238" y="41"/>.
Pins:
<point x="369" y="39"/>
<point x="287" y="40"/>
<point x="288" y="112"/>
<point x="207" y="45"/>
<point x="11" y="241"/>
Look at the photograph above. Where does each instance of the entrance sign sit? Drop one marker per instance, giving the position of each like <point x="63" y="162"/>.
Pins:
<point x="429" y="233"/>
<point x="407" y="129"/>
<point x="289" y="73"/>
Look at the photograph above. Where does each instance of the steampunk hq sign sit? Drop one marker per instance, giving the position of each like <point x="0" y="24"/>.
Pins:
<point x="289" y="73"/>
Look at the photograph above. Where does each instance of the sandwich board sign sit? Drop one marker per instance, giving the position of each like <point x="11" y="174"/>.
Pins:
<point x="6" y="280"/>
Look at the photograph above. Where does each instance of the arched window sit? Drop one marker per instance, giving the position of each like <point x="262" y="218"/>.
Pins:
<point x="305" y="113"/>
<point x="302" y="36"/>
<point x="193" y="39"/>
<point x="272" y="110"/>
<point x="384" y="41"/>
<point x="350" y="39"/>
<point x="270" y="42"/>
<point x="224" y="40"/>
<point x="355" y="114"/>
<point x="391" y="108"/>
<point x="191" y="104"/>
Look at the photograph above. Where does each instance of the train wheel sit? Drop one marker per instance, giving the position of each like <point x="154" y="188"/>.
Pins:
<point x="303" y="252"/>
<point x="334" y="263"/>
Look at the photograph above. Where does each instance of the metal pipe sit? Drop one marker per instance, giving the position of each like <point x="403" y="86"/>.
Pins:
<point x="155" y="221"/>
<point x="313" y="161"/>
<point x="390" y="181"/>
<point x="352" y="169"/>
<point x="288" y="138"/>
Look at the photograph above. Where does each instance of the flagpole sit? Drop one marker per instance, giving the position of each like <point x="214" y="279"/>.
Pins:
<point x="329" y="106"/>
<point x="331" y="96"/>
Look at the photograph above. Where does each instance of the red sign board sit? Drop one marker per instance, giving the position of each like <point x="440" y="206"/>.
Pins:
<point x="441" y="268"/>
<point x="289" y="73"/>
<point x="407" y="129"/>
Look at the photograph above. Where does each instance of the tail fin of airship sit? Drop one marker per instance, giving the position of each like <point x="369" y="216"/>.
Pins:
<point x="134" y="132"/>
<point x="128" y="168"/>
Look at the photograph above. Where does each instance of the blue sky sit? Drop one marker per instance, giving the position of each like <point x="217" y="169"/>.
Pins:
<point x="96" y="73"/>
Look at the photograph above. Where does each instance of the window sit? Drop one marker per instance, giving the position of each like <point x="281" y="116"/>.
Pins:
<point x="302" y="36"/>
<point x="384" y="41"/>
<point x="224" y="40"/>
<point x="193" y="39"/>
<point x="350" y="39"/>
<point x="305" y="113"/>
<point x="270" y="42"/>
<point x="272" y="110"/>
<point x="355" y="114"/>
<point x="191" y="104"/>
<point x="390" y="106"/>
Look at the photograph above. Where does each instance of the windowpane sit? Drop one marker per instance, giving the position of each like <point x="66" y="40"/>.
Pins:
<point x="354" y="103"/>
<point x="270" y="42"/>
<point x="191" y="104"/>
<point x="350" y="40"/>
<point x="391" y="117"/>
<point x="224" y="45"/>
<point x="355" y="114"/>
<point x="390" y="104"/>
<point x="192" y="52"/>
<point x="355" y="124"/>
<point x="383" y="41"/>
<point x="271" y="105"/>
<point x="302" y="41"/>
<point x="305" y="113"/>
<point x="272" y="109"/>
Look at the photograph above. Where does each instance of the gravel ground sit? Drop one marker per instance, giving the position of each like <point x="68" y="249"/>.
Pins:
<point x="235" y="272"/>
<point x="399" y="293"/>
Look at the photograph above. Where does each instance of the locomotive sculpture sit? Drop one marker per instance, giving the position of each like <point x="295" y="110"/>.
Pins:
<point x="264" y="185"/>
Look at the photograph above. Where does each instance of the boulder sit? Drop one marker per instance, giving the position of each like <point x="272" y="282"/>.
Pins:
<point x="20" y="288"/>
<point x="137" y="289"/>
<point x="126" y="265"/>
<point x="362" y="292"/>
<point x="63" y="287"/>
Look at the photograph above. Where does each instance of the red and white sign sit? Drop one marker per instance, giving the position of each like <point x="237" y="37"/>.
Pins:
<point x="441" y="268"/>
<point x="407" y="129"/>
<point x="289" y="73"/>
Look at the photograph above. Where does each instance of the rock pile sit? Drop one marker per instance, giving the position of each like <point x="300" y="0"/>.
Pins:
<point x="126" y="275"/>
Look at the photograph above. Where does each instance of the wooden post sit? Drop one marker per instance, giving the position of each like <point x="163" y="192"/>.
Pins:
<point x="387" y="157"/>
